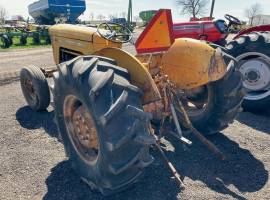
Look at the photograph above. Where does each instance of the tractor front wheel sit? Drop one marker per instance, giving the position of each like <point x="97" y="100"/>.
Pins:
<point x="105" y="140"/>
<point x="35" y="88"/>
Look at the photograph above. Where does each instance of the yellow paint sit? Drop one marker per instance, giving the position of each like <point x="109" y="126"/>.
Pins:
<point x="140" y="76"/>
<point x="84" y="40"/>
<point x="192" y="63"/>
<point x="188" y="63"/>
<point x="158" y="36"/>
<point x="150" y="61"/>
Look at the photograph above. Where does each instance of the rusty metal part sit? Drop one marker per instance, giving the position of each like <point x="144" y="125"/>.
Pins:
<point x="48" y="72"/>
<point x="170" y="99"/>
<point x="151" y="61"/>
<point x="81" y="128"/>
<point x="189" y="125"/>
<point x="169" y="96"/>
<point x="161" y="81"/>
<point x="156" y="108"/>
<point x="30" y="89"/>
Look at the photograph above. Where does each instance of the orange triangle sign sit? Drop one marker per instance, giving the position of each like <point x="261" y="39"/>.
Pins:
<point x="158" y="35"/>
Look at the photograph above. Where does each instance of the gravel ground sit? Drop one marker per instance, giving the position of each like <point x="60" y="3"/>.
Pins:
<point x="33" y="164"/>
<point x="12" y="59"/>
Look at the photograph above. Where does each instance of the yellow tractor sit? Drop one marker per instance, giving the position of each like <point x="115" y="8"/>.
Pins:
<point x="111" y="106"/>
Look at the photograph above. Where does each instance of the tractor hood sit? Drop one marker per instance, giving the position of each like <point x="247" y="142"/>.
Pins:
<point x="80" y="40"/>
<point x="73" y="32"/>
<point x="76" y="32"/>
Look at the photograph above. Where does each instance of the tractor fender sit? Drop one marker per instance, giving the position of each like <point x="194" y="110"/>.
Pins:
<point x="253" y="29"/>
<point x="192" y="63"/>
<point x="140" y="76"/>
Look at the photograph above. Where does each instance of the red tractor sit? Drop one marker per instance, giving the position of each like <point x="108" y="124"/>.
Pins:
<point x="215" y="31"/>
<point x="250" y="47"/>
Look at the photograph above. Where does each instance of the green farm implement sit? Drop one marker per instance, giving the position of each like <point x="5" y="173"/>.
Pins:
<point x="21" y="36"/>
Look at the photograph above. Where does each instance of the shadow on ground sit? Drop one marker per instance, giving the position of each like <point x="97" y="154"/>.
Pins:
<point x="64" y="183"/>
<point x="262" y="122"/>
<point x="241" y="169"/>
<point x="32" y="120"/>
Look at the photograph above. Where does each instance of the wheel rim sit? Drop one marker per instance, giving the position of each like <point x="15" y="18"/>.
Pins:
<point x="196" y="101"/>
<point x="30" y="90"/>
<point x="256" y="74"/>
<point x="81" y="129"/>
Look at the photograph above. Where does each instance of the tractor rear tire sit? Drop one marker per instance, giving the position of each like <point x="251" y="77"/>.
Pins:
<point x="104" y="90"/>
<point x="35" y="88"/>
<point x="256" y="46"/>
<point x="224" y="99"/>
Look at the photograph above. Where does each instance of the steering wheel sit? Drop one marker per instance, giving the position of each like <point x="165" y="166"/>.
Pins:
<point x="114" y="32"/>
<point x="233" y="20"/>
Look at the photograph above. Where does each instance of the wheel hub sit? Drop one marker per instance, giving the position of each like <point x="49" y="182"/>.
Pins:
<point x="84" y="128"/>
<point x="256" y="74"/>
<point x="253" y="76"/>
<point x="81" y="128"/>
<point x="30" y="89"/>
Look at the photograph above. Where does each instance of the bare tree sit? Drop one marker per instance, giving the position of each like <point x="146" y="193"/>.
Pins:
<point x="3" y="15"/>
<point x="251" y="12"/>
<point x="101" y="17"/>
<point x="193" y="8"/>
<point x="92" y="15"/>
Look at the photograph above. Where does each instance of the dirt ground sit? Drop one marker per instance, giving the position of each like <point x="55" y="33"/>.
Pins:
<point x="33" y="164"/>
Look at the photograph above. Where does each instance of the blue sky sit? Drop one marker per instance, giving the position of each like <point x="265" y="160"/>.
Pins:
<point x="106" y="7"/>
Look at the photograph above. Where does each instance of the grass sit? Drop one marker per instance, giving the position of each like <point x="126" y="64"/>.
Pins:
<point x="30" y="44"/>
